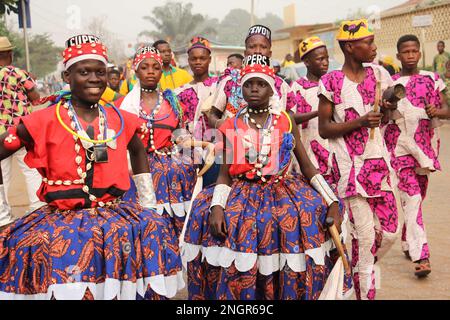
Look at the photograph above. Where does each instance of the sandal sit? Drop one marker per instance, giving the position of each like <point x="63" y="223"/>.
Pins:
<point x="422" y="269"/>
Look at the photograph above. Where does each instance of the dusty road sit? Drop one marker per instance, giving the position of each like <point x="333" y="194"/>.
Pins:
<point x="397" y="278"/>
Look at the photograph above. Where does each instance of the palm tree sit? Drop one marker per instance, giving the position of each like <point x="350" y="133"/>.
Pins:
<point x="177" y="24"/>
<point x="8" y="6"/>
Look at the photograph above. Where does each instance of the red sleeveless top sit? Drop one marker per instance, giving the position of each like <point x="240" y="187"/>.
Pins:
<point x="241" y="141"/>
<point x="53" y="155"/>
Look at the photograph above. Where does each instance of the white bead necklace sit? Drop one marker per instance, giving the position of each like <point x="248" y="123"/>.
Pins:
<point x="78" y="160"/>
<point x="263" y="156"/>
<point x="148" y="128"/>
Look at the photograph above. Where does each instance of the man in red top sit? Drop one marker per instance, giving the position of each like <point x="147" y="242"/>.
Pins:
<point x="17" y="92"/>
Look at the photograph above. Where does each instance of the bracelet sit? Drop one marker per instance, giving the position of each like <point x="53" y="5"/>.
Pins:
<point x="220" y="196"/>
<point x="322" y="187"/>
<point x="145" y="190"/>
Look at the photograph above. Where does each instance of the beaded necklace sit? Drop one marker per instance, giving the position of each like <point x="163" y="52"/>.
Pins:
<point x="151" y="120"/>
<point x="82" y="174"/>
<point x="267" y="130"/>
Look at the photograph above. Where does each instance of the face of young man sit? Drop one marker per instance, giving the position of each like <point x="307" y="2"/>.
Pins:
<point x="199" y="60"/>
<point x="114" y="81"/>
<point x="234" y="62"/>
<point x="441" y="47"/>
<point x="318" y="61"/>
<point x="87" y="80"/>
<point x="409" y="54"/>
<point x="257" y="93"/>
<point x="364" y="51"/>
<point x="149" y="73"/>
<point x="166" y="53"/>
<point x="258" y="44"/>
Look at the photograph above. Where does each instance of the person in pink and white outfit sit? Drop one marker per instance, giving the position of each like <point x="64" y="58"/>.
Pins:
<point x="413" y="140"/>
<point x="314" y="54"/>
<point x="360" y="163"/>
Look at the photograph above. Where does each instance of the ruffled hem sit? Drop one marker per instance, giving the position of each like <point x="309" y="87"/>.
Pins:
<point x="224" y="257"/>
<point x="110" y="289"/>
<point x="178" y="209"/>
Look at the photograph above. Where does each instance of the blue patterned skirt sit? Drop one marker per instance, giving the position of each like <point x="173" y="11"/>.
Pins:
<point x="174" y="179"/>
<point x="276" y="246"/>
<point x="118" y="252"/>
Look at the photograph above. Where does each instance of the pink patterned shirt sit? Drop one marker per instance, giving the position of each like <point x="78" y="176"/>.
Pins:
<point x="317" y="148"/>
<point x="193" y="96"/>
<point x="359" y="165"/>
<point x="411" y="139"/>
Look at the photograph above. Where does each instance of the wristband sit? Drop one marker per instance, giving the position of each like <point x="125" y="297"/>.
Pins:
<point x="322" y="187"/>
<point x="146" y="193"/>
<point x="220" y="196"/>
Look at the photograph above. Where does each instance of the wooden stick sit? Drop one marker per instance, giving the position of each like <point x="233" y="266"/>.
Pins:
<point x="337" y="242"/>
<point x="376" y="107"/>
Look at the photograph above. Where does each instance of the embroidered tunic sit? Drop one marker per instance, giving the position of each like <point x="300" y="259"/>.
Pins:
<point x="318" y="149"/>
<point x="360" y="165"/>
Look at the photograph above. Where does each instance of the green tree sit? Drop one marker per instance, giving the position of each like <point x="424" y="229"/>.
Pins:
<point x="116" y="47"/>
<point x="44" y="55"/>
<point x="234" y="26"/>
<point x="8" y="6"/>
<point x="175" y="22"/>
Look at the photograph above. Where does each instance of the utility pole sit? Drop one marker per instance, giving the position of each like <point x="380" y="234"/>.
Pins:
<point x="25" y="35"/>
<point x="252" y="13"/>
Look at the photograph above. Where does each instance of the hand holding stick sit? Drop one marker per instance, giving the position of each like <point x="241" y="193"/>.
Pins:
<point x="337" y="242"/>
<point x="376" y="107"/>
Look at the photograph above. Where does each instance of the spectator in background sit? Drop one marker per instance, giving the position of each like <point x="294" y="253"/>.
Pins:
<point x="114" y="79"/>
<point x="446" y="79"/>
<point x="235" y="61"/>
<point x="441" y="59"/>
<point x="18" y="91"/>
<point x="277" y="68"/>
<point x="172" y="77"/>
<point x="288" y="60"/>
<point x="388" y="63"/>
<point x="129" y="80"/>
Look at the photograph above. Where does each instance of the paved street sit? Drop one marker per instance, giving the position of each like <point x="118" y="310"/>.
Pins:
<point x="398" y="281"/>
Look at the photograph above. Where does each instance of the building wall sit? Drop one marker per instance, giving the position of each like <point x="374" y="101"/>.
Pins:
<point x="280" y="48"/>
<point x="393" y="27"/>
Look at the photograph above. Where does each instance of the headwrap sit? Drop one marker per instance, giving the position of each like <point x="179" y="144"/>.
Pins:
<point x="259" y="30"/>
<point x="354" y="30"/>
<point x="199" y="42"/>
<point x="308" y="45"/>
<point x="84" y="47"/>
<point x="146" y="53"/>
<point x="258" y="66"/>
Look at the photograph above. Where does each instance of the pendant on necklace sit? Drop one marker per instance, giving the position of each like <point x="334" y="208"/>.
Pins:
<point x="101" y="154"/>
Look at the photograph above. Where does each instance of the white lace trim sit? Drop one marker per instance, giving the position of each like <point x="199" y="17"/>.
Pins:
<point x="110" y="289"/>
<point x="178" y="209"/>
<point x="224" y="257"/>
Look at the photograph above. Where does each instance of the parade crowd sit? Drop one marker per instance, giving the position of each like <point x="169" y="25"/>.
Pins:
<point x="232" y="182"/>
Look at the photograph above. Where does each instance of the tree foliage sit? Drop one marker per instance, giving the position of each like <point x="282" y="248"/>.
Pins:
<point x="115" y="46"/>
<point x="8" y="6"/>
<point x="44" y="55"/>
<point x="175" y="22"/>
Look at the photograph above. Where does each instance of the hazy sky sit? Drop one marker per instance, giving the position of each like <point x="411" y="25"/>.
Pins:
<point x="125" y="16"/>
